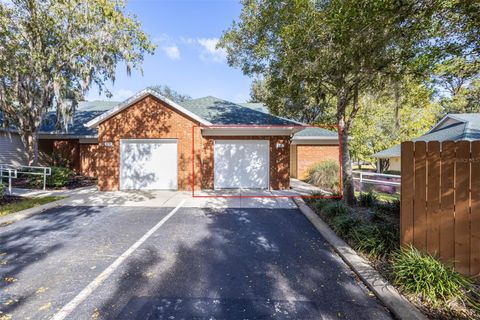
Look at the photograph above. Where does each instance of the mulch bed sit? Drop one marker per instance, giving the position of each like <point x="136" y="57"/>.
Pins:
<point x="77" y="182"/>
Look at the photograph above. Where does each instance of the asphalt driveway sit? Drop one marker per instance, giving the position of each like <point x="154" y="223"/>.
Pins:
<point x="201" y="263"/>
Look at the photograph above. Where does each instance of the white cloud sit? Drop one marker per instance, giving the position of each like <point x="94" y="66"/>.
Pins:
<point x="172" y="52"/>
<point x="210" y="51"/>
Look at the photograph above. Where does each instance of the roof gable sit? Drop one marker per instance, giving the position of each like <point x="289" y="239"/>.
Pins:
<point x="137" y="97"/>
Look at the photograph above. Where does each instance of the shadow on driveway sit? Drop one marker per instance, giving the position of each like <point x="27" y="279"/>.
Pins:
<point x="27" y="242"/>
<point x="239" y="264"/>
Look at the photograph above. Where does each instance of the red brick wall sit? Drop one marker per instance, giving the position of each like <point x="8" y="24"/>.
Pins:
<point x="149" y="118"/>
<point x="279" y="160"/>
<point x="67" y="150"/>
<point x="310" y="155"/>
<point x="88" y="159"/>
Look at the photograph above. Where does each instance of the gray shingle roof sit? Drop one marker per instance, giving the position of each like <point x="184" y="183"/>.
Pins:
<point x="468" y="130"/>
<point x="214" y="110"/>
<point x="467" y="117"/>
<point x="308" y="132"/>
<point x="86" y="111"/>
<point x="258" y="106"/>
<point x="316" y="132"/>
<point x="222" y="112"/>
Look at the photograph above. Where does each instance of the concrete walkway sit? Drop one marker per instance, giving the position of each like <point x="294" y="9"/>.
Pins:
<point x="238" y="198"/>
<point x="46" y="193"/>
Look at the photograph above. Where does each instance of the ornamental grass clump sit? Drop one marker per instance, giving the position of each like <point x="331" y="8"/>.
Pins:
<point x="428" y="278"/>
<point x="325" y="175"/>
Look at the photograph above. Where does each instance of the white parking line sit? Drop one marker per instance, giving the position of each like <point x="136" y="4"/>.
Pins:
<point x="88" y="290"/>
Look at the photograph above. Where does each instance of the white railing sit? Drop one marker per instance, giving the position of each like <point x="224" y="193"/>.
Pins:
<point x="12" y="171"/>
<point x="363" y="174"/>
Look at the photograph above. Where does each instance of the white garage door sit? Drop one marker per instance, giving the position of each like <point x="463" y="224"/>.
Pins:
<point x="148" y="164"/>
<point x="241" y="164"/>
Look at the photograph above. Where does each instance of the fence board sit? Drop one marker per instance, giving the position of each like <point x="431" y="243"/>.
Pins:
<point x="433" y="197"/>
<point x="462" y="210"/>
<point x="420" y="190"/>
<point x="475" y="210"/>
<point x="406" y="194"/>
<point x="447" y="201"/>
<point x="440" y="201"/>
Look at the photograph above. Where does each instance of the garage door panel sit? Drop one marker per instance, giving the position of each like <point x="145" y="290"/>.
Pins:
<point x="148" y="164"/>
<point x="241" y="164"/>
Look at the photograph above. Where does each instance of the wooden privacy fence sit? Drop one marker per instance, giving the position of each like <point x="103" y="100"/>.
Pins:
<point x="440" y="201"/>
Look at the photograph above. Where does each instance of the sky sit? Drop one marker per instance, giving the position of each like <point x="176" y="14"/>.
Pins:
<point x="185" y="32"/>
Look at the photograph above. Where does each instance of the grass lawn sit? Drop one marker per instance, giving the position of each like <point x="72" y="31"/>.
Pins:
<point x="384" y="196"/>
<point x="25" y="203"/>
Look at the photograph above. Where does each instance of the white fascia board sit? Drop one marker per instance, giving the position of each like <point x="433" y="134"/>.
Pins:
<point x="247" y="131"/>
<point x="59" y="136"/>
<point x="445" y="118"/>
<point x="137" y="97"/>
<point x="315" y="138"/>
<point x="316" y="142"/>
<point x="88" y="140"/>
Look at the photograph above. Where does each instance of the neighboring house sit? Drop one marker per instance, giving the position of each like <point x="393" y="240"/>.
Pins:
<point x="68" y="143"/>
<point x="452" y="127"/>
<point x="150" y="142"/>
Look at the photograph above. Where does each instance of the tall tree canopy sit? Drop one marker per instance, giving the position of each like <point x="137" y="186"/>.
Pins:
<point x="335" y="47"/>
<point x="377" y="126"/>
<point x="53" y="51"/>
<point x="171" y="94"/>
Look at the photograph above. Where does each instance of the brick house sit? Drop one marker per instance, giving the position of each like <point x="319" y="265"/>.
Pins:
<point x="150" y="142"/>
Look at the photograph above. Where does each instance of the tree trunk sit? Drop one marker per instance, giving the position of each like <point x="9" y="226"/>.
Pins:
<point x="398" y="104"/>
<point x="347" y="178"/>
<point x="30" y="140"/>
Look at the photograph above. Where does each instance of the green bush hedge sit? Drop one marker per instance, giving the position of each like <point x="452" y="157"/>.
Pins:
<point x="60" y="177"/>
<point x="325" y="175"/>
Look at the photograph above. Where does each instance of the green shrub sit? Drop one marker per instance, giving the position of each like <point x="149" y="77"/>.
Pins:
<point x="321" y="203"/>
<point x="368" y="199"/>
<point x="336" y="208"/>
<point x="390" y="234"/>
<point x="60" y="177"/>
<point x="2" y="189"/>
<point x="325" y="175"/>
<point x="376" y="241"/>
<point x="390" y="207"/>
<point x="344" y="224"/>
<point x="428" y="278"/>
<point x="368" y="240"/>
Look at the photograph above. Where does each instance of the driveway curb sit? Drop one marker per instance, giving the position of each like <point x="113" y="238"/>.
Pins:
<point x="385" y="292"/>
<point x="27" y="213"/>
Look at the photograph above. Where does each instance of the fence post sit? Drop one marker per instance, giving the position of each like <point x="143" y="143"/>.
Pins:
<point x="361" y="182"/>
<point x="44" y="178"/>
<point x="10" y="181"/>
